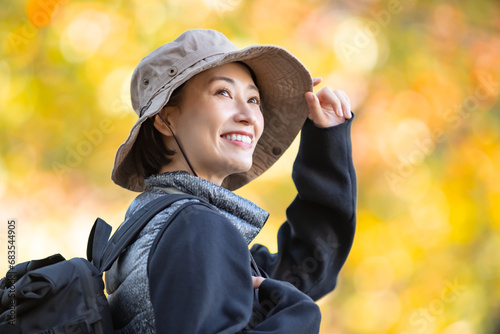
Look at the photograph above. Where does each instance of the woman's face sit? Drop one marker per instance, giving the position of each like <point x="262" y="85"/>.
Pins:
<point x="218" y="123"/>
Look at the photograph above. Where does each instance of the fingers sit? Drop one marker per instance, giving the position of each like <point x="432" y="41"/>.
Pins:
<point x="346" y="103"/>
<point x="328" y="97"/>
<point x="328" y="107"/>
<point x="317" y="81"/>
<point x="337" y="99"/>
<point x="257" y="281"/>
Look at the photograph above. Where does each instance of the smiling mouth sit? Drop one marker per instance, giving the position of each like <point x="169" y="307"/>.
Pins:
<point x="238" y="137"/>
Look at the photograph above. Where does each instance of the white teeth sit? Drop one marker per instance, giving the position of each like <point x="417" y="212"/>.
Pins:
<point x="242" y="138"/>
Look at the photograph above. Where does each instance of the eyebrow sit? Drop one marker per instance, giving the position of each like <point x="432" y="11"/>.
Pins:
<point x="231" y="81"/>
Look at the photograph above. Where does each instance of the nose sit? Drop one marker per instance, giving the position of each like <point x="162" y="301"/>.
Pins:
<point x="247" y="114"/>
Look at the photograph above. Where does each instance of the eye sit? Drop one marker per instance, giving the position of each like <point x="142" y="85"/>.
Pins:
<point x="255" y="100"/>
<point x="224" y="92"/>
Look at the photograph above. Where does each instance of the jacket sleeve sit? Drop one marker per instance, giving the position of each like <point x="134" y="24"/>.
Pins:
<point x="314" y="242"/>
<point x="284" y="309"/>
<point x="200" y="280"/>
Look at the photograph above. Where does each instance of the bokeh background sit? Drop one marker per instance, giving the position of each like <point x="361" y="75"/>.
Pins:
<point x="424" y="81"/>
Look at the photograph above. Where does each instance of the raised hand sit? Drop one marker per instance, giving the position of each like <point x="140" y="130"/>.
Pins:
<point x="328" y="107"/>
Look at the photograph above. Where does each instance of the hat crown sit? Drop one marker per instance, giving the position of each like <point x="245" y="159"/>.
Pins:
<point x="166" y="62"/>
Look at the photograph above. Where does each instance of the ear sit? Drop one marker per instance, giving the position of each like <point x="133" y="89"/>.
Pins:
<point x="168" y="114"/>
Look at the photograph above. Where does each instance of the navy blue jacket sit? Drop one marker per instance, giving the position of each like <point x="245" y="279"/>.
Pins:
<point x="205" y="285"/>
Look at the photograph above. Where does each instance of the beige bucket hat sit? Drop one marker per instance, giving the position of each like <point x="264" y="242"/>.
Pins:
<point x="282" y="80"/>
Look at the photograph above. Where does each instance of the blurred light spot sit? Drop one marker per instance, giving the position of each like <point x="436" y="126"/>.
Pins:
<point x="4" y="81"/>
<point x="116" y="38"/>
<point x="23" y="96"/>
<point x="20" y="83"/>
<point x="373" y="314"/>
<point x="431" y="211"/>
<point x="114" y="92"/>
<point x="459" y="327"/>
<point x="222" y="6"/>
<point x="83" y="36"/>
<point x="411" y="141"/>
<point x="448" y="21"/>
<point x="373" y="276"/>
<point x="40" y="241"/>
<point x="152" y="16"/>
<point x="402" y="263"/>
<point x="355" y="45"/>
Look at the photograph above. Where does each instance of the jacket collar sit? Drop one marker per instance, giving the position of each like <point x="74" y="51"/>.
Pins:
<point x="246" y="216"/>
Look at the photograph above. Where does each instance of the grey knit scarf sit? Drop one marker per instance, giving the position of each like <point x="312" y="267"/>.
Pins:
<point x="247" y="217"/>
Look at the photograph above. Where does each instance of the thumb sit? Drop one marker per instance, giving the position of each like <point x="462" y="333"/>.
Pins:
<point x="313" y="104"/>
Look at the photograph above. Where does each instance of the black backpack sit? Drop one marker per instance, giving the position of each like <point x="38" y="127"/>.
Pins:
<point x="55" y="295"/>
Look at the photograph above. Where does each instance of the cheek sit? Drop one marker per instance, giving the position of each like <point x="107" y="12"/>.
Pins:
<point x="195" y="117"/>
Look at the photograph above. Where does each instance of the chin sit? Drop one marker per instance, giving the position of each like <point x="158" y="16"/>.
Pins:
<point x="242" y="168"/>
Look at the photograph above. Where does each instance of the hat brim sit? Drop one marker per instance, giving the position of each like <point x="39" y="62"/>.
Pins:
<point x="282" y="79"/>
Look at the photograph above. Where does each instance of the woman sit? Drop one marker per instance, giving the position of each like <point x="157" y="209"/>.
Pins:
<point x="211" y="119"/>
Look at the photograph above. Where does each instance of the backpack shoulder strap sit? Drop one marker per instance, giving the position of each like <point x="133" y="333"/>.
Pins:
<point x="102" y="253"/>
<point x="98" y="238"/>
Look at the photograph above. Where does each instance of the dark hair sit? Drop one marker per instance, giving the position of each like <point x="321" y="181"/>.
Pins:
<point x="149" y="152"/>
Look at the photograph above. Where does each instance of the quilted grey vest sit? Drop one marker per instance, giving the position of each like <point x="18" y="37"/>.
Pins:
<point x="127" y="282"/>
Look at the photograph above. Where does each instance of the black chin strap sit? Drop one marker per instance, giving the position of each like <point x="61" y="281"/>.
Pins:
<point x="178" y="144"/>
